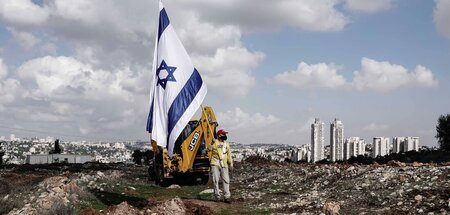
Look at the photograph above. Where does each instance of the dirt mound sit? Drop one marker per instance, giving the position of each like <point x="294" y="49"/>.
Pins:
<point x="173" y="206"/>
<point x="122" y="209"/>
<point x="194" y="209"/>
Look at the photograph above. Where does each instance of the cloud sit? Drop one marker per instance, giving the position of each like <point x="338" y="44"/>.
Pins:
<point x="3" y="69"/>
<point x="63" y="89"/>
<point x="309" y="15"/>
<point x="245" y="127"/>
<point x="9" y="90"/>
<point x="375" y="127"/>
<point x="238" y="119"/>
<point x="441" y="16"/>
<point x="368" y="6"/>
<point x="383" y="76"/>
<point x="312" y="76"/>
<point x="25" y="39"/>
<point x="112" y="34"/>
<point x="22" y="13"/>
<point x="228" y="72"/>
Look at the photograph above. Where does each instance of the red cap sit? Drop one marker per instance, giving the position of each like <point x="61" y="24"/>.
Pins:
<point x="221" y="132"/>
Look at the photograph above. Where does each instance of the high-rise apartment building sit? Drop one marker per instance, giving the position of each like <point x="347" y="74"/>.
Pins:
<point x="353" y="147"/>
<point x="411" y="144"/>
<point x="336" y="140"/>
<point x="380" y="146"/>
<point x="397" y="144"/>
<point x="404" y="144"/>
<point x="317" y="140"/>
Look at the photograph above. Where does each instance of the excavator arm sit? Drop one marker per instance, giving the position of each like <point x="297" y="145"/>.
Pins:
<point x="204" y="133"/>
<point x="191" y="155"/>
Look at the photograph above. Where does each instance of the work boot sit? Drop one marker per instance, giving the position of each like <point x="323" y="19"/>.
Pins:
<point x="227" y="200"/>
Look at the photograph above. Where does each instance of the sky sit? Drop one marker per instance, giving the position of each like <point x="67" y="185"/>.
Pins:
<point x="81" y="69"/>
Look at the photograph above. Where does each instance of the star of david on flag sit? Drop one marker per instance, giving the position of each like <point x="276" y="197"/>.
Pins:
<point x="177" y="89"/>
<point x="170" y="70"/>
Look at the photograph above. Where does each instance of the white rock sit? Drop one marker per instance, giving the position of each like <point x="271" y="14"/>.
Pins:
<point x="174" y="186"/>
<point x="418" y="198"/>
<point x="207" y="191"/>
<point x="100" y="174"/>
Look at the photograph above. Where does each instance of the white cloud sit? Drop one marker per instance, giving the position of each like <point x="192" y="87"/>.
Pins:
<point x="312" y="76"/>
<point x="112" y="34"/>
<point x="441" y="17"/>
<point x="228" y="72"/>
<point x="238" y="119"/>
<point x="25" y="39"/>
<point x="309" y="15"/>
<point x="383" y="76"/>
<point x="22" y="13"/>
<point x="247" y="127"/>
<point x="9" y="90"/>
<point x="368" y="6"/>
<point x="375" y="127"/>
<point x="3" y="69"/>
<point x="63" y="89"/>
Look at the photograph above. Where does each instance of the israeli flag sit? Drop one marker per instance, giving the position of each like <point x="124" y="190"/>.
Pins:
<point x="177" y="90"/>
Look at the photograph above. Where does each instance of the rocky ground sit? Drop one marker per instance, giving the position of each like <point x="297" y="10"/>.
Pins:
<point x="258" y="187"/>
<point x="395" y="188"/>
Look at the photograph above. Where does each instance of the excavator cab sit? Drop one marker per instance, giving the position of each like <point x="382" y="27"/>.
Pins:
<point x="190" y="162"/>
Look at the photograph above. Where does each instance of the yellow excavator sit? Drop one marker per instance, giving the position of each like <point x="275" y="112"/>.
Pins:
<point x="191" y="159"/>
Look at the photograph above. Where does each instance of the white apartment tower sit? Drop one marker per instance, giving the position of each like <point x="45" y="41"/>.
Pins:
<point x="380" y="146"/>
<point x="317" y="140"/>
<point x="336" y="140"/>
<point x="353" y="147"/>
<point x="411" y="144"/>
<point x="404" y="144"/>
<point x="397" y="144"/>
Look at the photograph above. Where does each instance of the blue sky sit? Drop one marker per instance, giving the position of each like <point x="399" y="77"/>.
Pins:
<point x="82" y="68"/>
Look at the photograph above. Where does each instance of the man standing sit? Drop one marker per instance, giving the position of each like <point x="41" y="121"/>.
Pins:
<point x="221" y="162"/>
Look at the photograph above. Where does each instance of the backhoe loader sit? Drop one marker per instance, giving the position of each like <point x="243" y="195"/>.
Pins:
<point x="191" y="159"/>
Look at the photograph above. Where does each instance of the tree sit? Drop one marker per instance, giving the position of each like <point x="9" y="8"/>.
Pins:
<point x="57" y="149"/>
<point x="443" y="132"/>
<point x="137" y="156"/>
<point x="1" y="157"/>
<point x="147" y="155"/>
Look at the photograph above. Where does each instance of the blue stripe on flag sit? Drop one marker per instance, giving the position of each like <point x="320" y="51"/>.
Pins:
<point x="163" y="22"/>
<point x="150" y="118"/>
<point x="184" y="99"/>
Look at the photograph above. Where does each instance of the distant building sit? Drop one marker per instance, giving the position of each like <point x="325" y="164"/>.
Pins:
<point x="411" y="144"/>
<point x="336" y="140"/>
<point x="353" y="147"/>
<point x="317" y="140"/>
<point x="397" y="144"/>
<point x="380" y="146"/>
<point x="404" y="144"/>
<point x="303" y="153"/>
<point x="58" y="158"/>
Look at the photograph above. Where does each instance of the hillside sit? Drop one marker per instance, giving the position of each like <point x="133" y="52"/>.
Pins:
<point x="258" y="187"/>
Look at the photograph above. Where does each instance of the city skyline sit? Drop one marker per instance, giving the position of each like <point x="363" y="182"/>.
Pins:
<point x="82" y="69"/>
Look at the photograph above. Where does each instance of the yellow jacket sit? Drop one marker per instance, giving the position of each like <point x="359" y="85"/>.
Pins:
<point x="221" y="154"/>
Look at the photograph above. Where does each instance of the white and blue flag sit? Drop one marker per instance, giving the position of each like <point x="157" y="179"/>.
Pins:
<point x="177" y="90"/>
